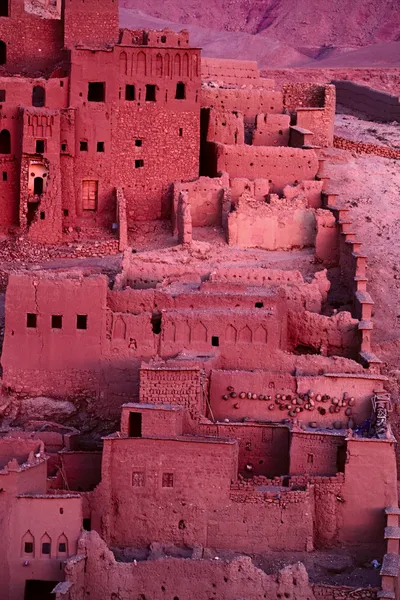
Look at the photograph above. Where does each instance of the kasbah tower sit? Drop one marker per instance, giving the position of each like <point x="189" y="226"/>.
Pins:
<point x="190" y="407"/>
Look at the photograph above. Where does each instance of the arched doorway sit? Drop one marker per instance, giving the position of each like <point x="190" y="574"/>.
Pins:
<point x="38" y="186"/>
<point x="5" y="142"/>
<point x="38" y="96"/>
<point x="3" y="53"/>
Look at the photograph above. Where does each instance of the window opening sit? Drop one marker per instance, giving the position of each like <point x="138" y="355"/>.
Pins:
<point x="130" y="93"/>
<point x="32" y="211"/>
<point x="3" y="53"/>
<point x="135" y="424"/>
<point x="139" y="163"/>
<point x="62" y="547"/>
<point x="46" y="548"/>
<point x="259" y="305"/>
<point x="42" y="216"/>
<point x="66" y="212"/>
<point x="180" y="132"/>
<point x="28" y="547"/>
<point x="215" y="341"/>
<point x="4" y="8"/>
<point x="38" y="186"/>
<point x="81" y="321"/>
<point x="96" y="91"/>
<point x="40" y="146"/>
<point x="56" y="321"/>
<point x="38" y="96"/>
<point x="138" y="143"/>
<point x="87" y="524"/>
<point x="168" y="480"/>
<point x="4" y="175"/>
<point x="5" y="142"/>
<point x="150" y="93"/>
<point x="2" y="95"/>
<point x="83" y="146"/>
<point x="63" y="147"/>
<point x="100" y="146"/>
<point x="163" y="39"/>
<point x="138" y="479"/>
<point x="180" y="93"/>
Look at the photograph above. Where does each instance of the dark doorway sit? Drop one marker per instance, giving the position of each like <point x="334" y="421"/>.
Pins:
<point x="135" y="424"/>
<point x="5" y="142"/>
<point x="32" y="212"/>
<point x="180" y="91"/>
<point x="150" y="93"/>
<point x="38" y="186"/>
<point x="3" y="8"/>
<point x="3" y="53"/>
<point x="341" y="458"/>
<point x="38" y="96"/>
<point x="39" y="590"/>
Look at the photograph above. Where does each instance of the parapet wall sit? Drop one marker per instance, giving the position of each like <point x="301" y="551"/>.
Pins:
<point x="374" y="103"/>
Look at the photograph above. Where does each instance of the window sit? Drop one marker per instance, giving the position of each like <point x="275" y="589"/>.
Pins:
<point x="56" y="321"/>
<point x="100" y="146"/>
<point x="46" y="548"/>
<point x="89" y="195"/>
<point x="87" y="524"/>
<point x="42" y="216"/>
<point x="96" y="91"/>
<point x="138" y="479"/>
<point x="3" y="8"/>
<point x="63" y="147"/>
<point x="168" y="480"/>
<point x="81" y="321"/>
<point x="135" y="424"/>
<point x="180" y="132"/>
<point x="3" y="53"/>
<point x="2" y="95"/>
<point x="259" y="305"/>
<point x="83" y="146"/>
<point x="62" y="547"/>
<point x="163" y="39"/>
<point x="130" y="93"/>
<point x="40" y="145"/>
<point x="138" y="143"/>
<point x="215" y="341"/>
<point x="38" y="186"/>
<point x="139" y="164"/>
<point x="180" y="91"/>
<point x="66" y="212"/>
<point x="31" y="320"/>
<point x="5" y="142"/>
<point x="150" y="93"/>
<point x="4" y="175"/>
<point x="38" y="96"/>
<point x="310" y="459"/>
<point x="28" y="547"/>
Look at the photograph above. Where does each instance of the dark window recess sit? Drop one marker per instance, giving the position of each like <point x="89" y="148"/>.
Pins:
<point x="42" y="216"/>
<point x="4" y="8"/>
<point x="62" y="547"/>
<point x="135" y="425"/>
<point x="100" y="146"/>
<point x="81" y="321"/>
<point x="163" y="39"/>
<point x="130" y="93"/>
<point x="156" y="323"/>
<point x="38" y="96"/>
<point x="259" y="305"/>
<point x="40" y="146"/>
<point x="83" y="146"/>
<point x="4" y="175"/>
<point x="38" y="186"/>
<point x="180" y="93"/>
<point x="215" y="341"/>
<point x="66" y="212"/>
<point x="3" y="53"/>
<point x="31" y="320"/>
<point x="180" y="132"/>
<point x="46" y="548"/>
<point x="168" y="480"/>
<point x="139" y="163"/>
<point x="138" y="143"/>
<point x="61" y="84"/>
<point x="150" y="93"/>
<point x="28" y="548"/>
<point x="63" y="147"/>
<point x="87" y="524"/>
<point x="138" y="479"/>
<point x="96" y="91"/>
<point x="56" y="321"/>
<point x="5" y="142"/>
<point x="2" y="95"/>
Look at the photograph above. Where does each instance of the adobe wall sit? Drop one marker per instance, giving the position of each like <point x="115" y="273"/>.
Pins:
<point x="235" y="72"/>
<point x="249" y="101"/>
<point x="225" y="127"/>
<point x="205" y="197"/>
<point x="159" y="420"/>
<point x="93" y="23"/>
<point x="281" y="166"/>
<point x="175" y="386"/>
<point x="81" y="469"/>
<point x="180" y="578"/>
<point x="372" y="102"/>
<point x="316" y="453"/>
<point x="270" y="130"/>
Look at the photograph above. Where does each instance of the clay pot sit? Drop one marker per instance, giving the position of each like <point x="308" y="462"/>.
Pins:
<point x="269" y="397"/>
<point x="283" y="398"/>
<point x="348" y="412"/>
<point x="292" y="413"/>
<point x="254" y="396"/>
<point x="352" y="402"/>
<point x="313" y="424"/>
<point x="311" y="402"/>
<point x="225" y="397"/>
<point x="294" y="401"/>
<point x="324" y="398"/>
<point x="337" y="425"/>
<point x="289" y="406"/>
<point x="236" y="405"/>
<point x="318" y="397"/>
<point x="242" y="395"/>
<point x="289" y="397"/>
<point x="350" y="424"/>
<point x="331" y="409"/>
<point x="337" y="409"/>
<point x="345" y="395"/>
<point x="277" y="401"/>
<point x="260" y="397"/>
<point x="335" y="401"/>
<point x="282" y="407"/>
<point x="230" y="388"/>
<point x="311" y="394"/>
<point x="321" y="410"/>
<point x="300" y="401"/>
<point x="249" y="395"/>
<point x="298" y="409"/>
<point x="271" y="406"/>
<point x="278" y="396"/>
<point x="233" y="394"/>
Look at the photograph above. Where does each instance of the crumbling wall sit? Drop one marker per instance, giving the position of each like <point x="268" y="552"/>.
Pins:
<point x="226" y="127"/>
<point x="270" y="130"/>
<point x="374" y="103"/>
<point x="205" y="196"/>
<point x="249" y="101"/>
<point x="228" y="71"/>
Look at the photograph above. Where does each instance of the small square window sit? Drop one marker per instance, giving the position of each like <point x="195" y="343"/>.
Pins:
<point x="28" y="548"/>
<point x="31" y="320"/>
<point x="81" y="321"/>
<point x="168" y="480"/>
<point x="138" y="143"/>
<point x="138" y="479"/>
<point x="62" y="547"/>
<point x="4" y="175"/>
<point x="63" y="147"/>
<point x="163" y="39"/>
<point x="130" y="93"/>
<point x="40" y="145"/>
<point x="215" y="341"/>
<point x="46" y="547"/>
<point x="42" y="216"/>
<point x="66" y="212"/>
<point x="61" y="84"/>
<point x="139" y="163"/>
<point x="259" y="305"/>
<point x="150" y="93"/>
<point x="100" y="146"/>
<point x="87" y="524"/>
<point x="2" y="95"/>
<point x="97" y="91"/>
<point x="83" y="146"/>
<point x="56" y="321"/>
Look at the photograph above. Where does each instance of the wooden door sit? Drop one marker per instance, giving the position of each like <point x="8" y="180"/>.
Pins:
<point x="89" y="195"/>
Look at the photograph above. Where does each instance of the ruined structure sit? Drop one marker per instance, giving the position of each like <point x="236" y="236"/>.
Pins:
<point x="233" y="350"/>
